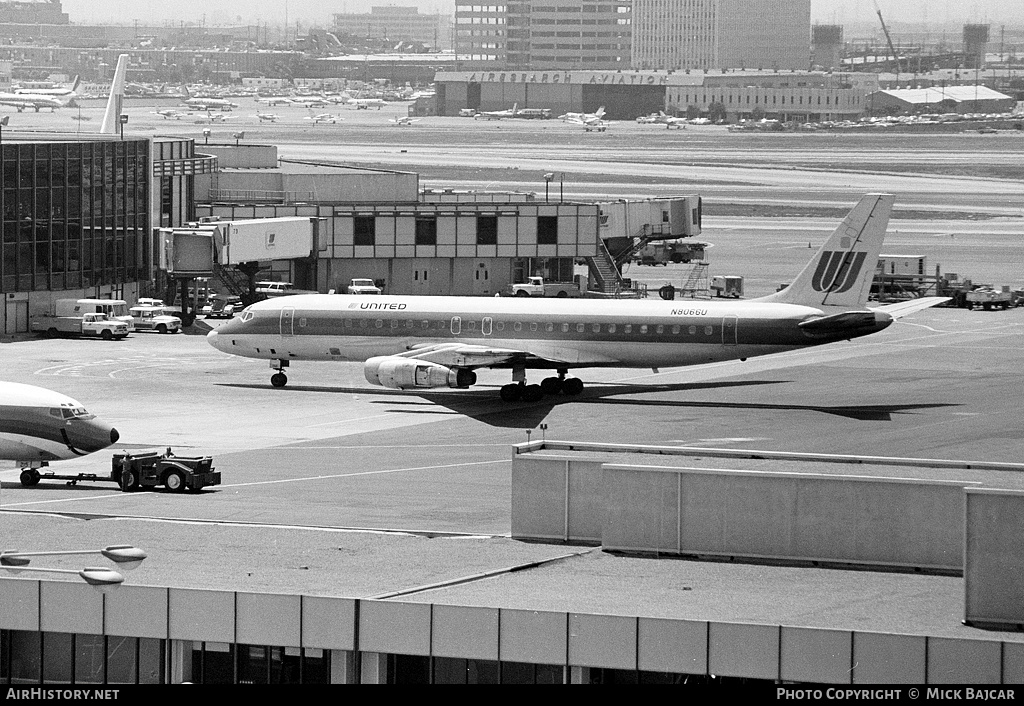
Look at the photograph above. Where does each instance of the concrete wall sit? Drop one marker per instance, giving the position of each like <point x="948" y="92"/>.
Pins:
<point x="994" y="558"/>
<point x="577" y="640"/>
<point x="797" y="517"/>
<point x="242" y="156"/>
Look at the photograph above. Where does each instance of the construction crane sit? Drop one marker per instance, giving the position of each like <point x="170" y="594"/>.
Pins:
<point x="885" y="30"/>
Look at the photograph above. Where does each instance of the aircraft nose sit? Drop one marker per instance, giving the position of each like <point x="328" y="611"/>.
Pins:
<point x="211" y="338"/>
<point x="89" y="436"/>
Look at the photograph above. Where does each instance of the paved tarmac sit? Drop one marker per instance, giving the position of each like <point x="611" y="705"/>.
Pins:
<point x="424" y="478"/>
<point x="330" y="450"/>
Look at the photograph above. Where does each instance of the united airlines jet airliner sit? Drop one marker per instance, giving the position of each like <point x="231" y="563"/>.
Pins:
<point x="415" y="342"/>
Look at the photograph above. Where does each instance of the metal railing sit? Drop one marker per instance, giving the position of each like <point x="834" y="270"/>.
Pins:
<point x="260" y="196"/>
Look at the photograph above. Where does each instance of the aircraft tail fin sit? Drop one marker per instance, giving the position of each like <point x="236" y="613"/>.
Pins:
<point x="115" y="102"/>
<point x="600" y="112"/>
<point x="75" y="84"/>
<point x="515" y="109"/>
<point x="840" y="274"/>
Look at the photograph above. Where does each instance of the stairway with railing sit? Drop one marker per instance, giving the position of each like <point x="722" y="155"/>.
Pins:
<point x="695" y="286"/>
<point x="641" y="239"/>
<point x="234" y="282"/>
<point x="603" y="270"/>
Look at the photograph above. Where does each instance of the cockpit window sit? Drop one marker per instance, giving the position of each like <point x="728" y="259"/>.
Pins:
<point x="247" y="315"/>
<point x="70" y="413"/>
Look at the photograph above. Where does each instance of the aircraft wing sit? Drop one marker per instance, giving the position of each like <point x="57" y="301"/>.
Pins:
<point x="901" y="309"/>
<point x="463" y="355"/>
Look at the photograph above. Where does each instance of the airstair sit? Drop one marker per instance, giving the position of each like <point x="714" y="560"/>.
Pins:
<point x="696" y="285"/>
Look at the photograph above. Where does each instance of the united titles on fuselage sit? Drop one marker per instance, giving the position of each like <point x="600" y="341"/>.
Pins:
<point x="378" y="305"/>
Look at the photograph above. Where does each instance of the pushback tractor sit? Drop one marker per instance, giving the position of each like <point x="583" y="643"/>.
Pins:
<point x="145" y="470"/>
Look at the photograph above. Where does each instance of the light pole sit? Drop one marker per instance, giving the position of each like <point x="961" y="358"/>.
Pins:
<point x="103" y="578"/>
<point x="547" y="182"/>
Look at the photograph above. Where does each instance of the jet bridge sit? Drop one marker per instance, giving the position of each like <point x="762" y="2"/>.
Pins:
<point x="225" y="248"/>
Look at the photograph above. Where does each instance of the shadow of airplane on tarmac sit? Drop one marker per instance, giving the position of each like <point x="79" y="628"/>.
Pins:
<point x="484" y="406"/>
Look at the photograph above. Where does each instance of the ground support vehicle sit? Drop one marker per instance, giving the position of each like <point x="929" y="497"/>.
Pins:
<point x="279" y="289"/>
<point x="146" y="470"/>
<point x="989" y="298"/>
<point x="664" y="252"/>
<point x="727" y="286"/>
<point x="83" y="325"/>
<point x="362" y="286"/>
<point x="153" y="318"/>
<point x="222" y="307"/>
<point x="537" y="287"/>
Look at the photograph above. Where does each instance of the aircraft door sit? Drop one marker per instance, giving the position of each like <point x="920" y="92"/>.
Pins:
<point x="288" y="321"/>
<point x="456" y="325"/>
<point x="485" y="326"/>
<point x="729" y="326"/>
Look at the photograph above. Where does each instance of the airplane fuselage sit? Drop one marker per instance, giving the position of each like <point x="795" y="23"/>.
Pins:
<point x="38" y="425"/>
<point x="561" y="333"/>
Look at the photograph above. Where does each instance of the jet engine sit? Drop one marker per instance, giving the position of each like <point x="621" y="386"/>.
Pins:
<point x="403" y="373"/>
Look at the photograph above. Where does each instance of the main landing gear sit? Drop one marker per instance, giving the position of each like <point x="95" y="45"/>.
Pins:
<point x="520" y="391"/>
<point x="279" y="379"/>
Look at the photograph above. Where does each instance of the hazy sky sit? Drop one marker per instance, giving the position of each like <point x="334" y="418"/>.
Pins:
<point x="319" y="11"/>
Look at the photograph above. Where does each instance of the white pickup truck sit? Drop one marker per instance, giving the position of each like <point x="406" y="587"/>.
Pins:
<point x="537" y="287"/>
<point x="94" y="324"/>
<point x="362" y="286"/>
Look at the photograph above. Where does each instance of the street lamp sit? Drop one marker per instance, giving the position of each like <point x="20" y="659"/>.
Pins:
<point x="547" y="182"/>
<point x="206" y="135"/>
<point x="102" y="578"/>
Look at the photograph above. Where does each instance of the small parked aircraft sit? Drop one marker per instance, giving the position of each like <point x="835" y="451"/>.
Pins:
<point x="172" y="114"/>
<point x="324" y="118"/>
<point x="584" y="118"/>
<point x="403" y="121"/>
<point x="497" y="114"/>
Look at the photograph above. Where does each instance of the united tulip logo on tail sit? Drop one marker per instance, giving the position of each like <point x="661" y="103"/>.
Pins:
<point x="837" y="271"/>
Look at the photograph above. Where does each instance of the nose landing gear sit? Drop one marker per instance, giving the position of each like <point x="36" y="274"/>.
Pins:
<point x="278" y="379"/>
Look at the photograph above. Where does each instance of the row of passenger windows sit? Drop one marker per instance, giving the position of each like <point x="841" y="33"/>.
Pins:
<point x="487" y="326"/>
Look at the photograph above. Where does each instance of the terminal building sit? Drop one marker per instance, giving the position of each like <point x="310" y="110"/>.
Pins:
<point x="79" y="212"/>
<point x="381" y="225"/>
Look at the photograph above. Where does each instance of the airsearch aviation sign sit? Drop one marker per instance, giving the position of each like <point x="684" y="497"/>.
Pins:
<point x="606" y="78"/>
